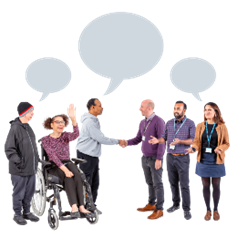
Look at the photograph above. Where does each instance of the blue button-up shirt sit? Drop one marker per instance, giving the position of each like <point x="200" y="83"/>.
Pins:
<point x="187" y="131"/>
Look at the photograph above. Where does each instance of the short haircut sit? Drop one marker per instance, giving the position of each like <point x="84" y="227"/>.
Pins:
<point x="91" y="102"/>
<point x="181" y="102"/>
<point x="151" y="104"/>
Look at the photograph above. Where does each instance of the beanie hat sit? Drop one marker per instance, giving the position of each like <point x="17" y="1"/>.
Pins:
<point x="23" y="108"/>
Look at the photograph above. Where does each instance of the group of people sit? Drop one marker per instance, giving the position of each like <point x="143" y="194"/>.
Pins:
<point x="210" y="139"/>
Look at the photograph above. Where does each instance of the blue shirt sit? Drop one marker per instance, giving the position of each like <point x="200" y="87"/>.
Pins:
<point x="187" y="131"/>
<point x="155" y="128"/>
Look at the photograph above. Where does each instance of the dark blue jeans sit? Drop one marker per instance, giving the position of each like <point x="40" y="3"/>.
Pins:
<point x="178" y="172"/>
<point x="91" y="170"/>
<point x="23" y="191"/>
<point x="154" y="181"/>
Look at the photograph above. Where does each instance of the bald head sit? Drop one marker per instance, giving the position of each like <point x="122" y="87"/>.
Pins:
<point x="147" y="108"/>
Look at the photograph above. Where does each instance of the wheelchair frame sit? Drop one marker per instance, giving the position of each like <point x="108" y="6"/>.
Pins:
<point x="50" y="182"/>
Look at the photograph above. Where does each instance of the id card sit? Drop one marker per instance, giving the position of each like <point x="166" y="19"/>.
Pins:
<point x="172" y="147"/>
<point x="143" y="138"/>
<point x="208" y="150"/>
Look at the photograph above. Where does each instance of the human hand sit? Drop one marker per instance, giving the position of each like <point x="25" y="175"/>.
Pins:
<point x="71" y="111"/>
<point x="217" y="150"/>
<point x="157" y="164"/>
<point x="68" y="173"/>
<point x="123" y="143"/>
<point x="189" y="150"/>
<point x="154" y="140"/>
<point x="176" y="141"/>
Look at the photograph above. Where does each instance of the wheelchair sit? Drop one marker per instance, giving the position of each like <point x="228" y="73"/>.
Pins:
<point x="46" y="181"/>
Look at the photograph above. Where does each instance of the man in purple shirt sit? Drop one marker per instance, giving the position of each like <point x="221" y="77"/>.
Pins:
<point x="179" y="134"/>
<point x="152" y="157"/>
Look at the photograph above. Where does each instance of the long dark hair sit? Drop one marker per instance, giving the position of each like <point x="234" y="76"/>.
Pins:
<point x="48" y="121"/>
<point x="218" y="118"/>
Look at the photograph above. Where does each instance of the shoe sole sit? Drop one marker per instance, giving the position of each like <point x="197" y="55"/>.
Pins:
<point x="20" y="223"/>
<point x="31" y="220"/>
<point x="145" y="210"/>
<point x="155" y="218"/>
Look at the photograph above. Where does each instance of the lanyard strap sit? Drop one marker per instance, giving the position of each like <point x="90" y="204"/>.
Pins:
<point x="147" y="125"/>
<point x="209" y="137"/>
<point x="178" y="128"/>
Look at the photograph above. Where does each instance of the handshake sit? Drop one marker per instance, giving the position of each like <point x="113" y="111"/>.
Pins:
<point x="123" y="143"/>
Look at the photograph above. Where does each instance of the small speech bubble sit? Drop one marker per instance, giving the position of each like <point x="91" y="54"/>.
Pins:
<point x="48" y="75"/>
<point x="120" y="46"/>
<point x="193" y="75"/>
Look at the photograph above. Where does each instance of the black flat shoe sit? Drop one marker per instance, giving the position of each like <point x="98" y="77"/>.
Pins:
<point x="88" y="215"/>
<point x="20" y="220"/>
<point x="75" y="214"/>
<point x="172" y="209"/>
<point x="187" y="215"/>
<point x="30" y="217"/>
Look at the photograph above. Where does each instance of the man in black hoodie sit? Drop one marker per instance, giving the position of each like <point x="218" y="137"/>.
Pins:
<point x="21" y="150"/>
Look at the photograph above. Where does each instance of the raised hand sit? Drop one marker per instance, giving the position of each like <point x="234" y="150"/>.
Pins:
<point x="217" y="150"/>
<point x="154" y="140"/>
<point x="189" y="150"/>
<point x="71" y="111"/>
<point x="175" y="142"/>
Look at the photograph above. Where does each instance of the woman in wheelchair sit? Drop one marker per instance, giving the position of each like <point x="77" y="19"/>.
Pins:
<point x="56" y="146"/>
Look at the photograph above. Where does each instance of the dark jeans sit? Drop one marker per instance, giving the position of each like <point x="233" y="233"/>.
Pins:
<point x="91" y="170"/>
<point x="178" y="172"/>
<point x="154" y="181"/>
<point x="23" y="191"/>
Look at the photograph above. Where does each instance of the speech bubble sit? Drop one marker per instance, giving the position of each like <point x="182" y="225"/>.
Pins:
<point x="48" y="75"/>
<point x="120" y="46"/>
<point x="193" y="75"/>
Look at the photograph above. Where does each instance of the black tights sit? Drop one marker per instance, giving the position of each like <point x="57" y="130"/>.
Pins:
<point x="216" y="191"/>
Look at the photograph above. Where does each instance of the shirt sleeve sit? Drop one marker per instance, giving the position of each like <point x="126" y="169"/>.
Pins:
<point x="161" y="147"/>
<point x="97" y="135"/>
<point x="192" y="130"/>
<point x="70" y="136"/>
<point x="136" y="140"/>
<point x="11" y="147"/>
<point x="50" y="152"/>
<point x="165" y="132"/>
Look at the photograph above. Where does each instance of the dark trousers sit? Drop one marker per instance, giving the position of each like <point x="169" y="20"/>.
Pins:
<point x="23" y="191"/>
<point x="154" y="181"/>
<point x="91" y="170"/>
<point x="178" y="172"/>
<point x="73" y="186"/>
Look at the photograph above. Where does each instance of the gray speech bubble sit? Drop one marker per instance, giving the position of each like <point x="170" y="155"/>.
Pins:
<point x="48" y="75"/>
<point x="120" y="46"/>
<point x="193" y="75"/>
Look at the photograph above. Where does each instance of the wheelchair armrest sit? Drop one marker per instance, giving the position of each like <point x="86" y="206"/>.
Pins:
<point x="45" y="163"/>
<point x="79" y="161"/>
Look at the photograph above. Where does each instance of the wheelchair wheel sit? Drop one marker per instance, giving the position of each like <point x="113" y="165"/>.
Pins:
<point x="93" y="220"/>
<point x="53" y="219"/>
<point x="38" y="201"/>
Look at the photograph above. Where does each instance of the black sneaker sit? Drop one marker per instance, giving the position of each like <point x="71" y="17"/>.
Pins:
<point x="19" y="220"/>
<point x="172" y="209"/>
<point x="31" y="217"/>
<point x="187" y="215"/>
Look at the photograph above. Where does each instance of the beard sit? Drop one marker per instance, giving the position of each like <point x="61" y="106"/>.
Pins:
<point x="178" y="116"/>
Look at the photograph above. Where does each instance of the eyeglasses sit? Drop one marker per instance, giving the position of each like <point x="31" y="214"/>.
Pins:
<point x="58" y="122"/>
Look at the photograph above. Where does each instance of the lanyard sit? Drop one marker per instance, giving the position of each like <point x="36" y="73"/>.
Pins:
<point x="179" y="127"/>
<point x="209" y="137"/>
<point x="147" y="125"/>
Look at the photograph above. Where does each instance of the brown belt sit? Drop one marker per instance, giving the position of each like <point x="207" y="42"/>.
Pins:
<point x="174" y="154"/>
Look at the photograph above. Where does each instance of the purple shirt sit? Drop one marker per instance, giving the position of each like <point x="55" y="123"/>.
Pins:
<point x="187" y="131"/>
<point x="155" y="128"/>
<point x="57" y="149"/>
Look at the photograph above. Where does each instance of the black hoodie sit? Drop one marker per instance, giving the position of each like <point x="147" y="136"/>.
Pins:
<point x="21" y="149"/>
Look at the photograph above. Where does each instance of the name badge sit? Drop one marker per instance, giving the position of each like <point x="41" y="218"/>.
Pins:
<point x="208" y="150"/>
<point x="143" y="138"/>
<point x="172" y="147"/>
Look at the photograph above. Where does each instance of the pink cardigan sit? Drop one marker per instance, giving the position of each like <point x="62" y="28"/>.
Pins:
<point x="57" y="149"/>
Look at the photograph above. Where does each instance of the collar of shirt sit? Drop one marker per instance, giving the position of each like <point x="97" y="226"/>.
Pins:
<point x="150" y="117"/>
<point x="176" y="120"/>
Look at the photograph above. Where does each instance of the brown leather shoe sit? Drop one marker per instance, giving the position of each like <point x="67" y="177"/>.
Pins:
<point x="148" y="207"/>
<point x="208" y="216"/>
<point x="156" y="214"/>
<point x="216" y="216"/>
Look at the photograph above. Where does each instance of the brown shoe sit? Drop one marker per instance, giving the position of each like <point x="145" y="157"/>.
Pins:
<point x="216" y="216"/>
<point x="148" y="207"/>
<point x="208" y="216"/>
<point x="156" y="214"/>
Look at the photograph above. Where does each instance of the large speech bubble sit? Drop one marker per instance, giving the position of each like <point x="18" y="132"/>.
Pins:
<point x="48" y="75"/>
<point x="120" y="46"/>
<point x="193" y="75"/>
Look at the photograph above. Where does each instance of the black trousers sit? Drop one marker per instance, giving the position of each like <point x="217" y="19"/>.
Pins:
<point x="91" y="170"/>
<point x="73" y="186"/>
<point x="23" y="191"/>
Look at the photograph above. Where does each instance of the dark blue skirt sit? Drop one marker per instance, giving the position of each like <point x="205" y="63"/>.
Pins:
<point x="207" y="167"/>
